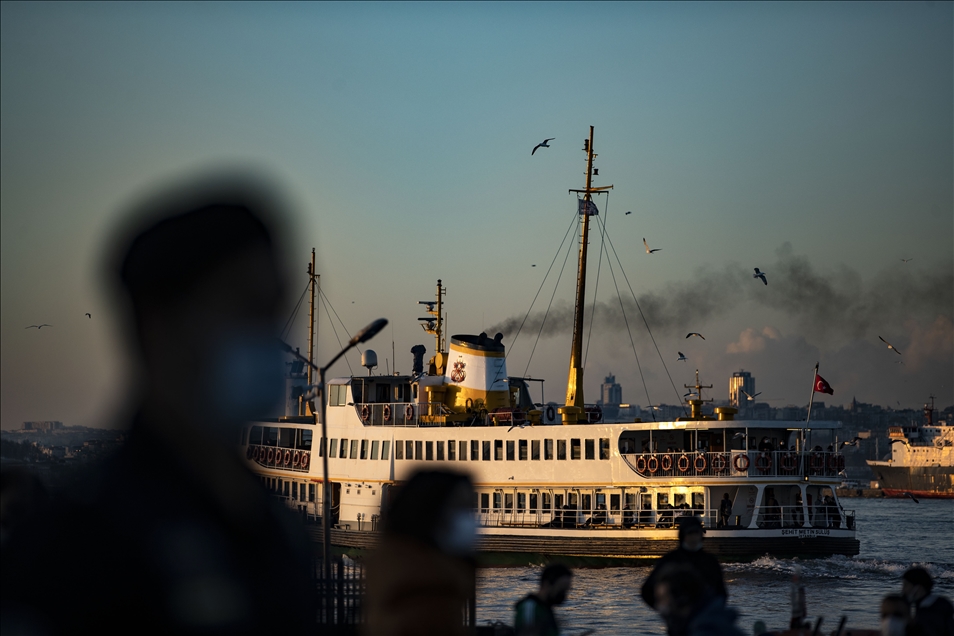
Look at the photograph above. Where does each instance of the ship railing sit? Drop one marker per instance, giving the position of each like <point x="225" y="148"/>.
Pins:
<point x="293" y="459"/>
<point x="823" y="515"/>
<point x="399" y="413"/>
<point x="736" y="464"/>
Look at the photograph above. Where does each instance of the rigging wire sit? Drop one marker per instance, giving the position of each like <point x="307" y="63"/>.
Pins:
<point x="645" y="322"/>
<point x="596" y="287"/>
<point x="629" y="331"/>
<point x="291" y="319"/>
<point x="327" y="303"/>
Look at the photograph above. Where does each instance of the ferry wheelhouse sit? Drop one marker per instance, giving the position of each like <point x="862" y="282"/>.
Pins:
<point x="552" y="481"/>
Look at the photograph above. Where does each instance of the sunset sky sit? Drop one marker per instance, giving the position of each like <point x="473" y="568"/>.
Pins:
<point x="811" y="140"/>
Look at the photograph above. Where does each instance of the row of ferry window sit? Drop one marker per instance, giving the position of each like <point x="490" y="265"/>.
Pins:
<point x="291" y="489"/>
<point x="298" y="438"/>
<point x="477" y="450"/>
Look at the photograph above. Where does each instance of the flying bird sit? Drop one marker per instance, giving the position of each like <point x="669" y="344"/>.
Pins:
<point x="542" y="144"/>
<point x="853" y="442"/>
<point x="682" y="358"/>
<point x="515" y="425"/>
<point x="38" y="326"/>
<point x="738" y="435"/>
<point x="751" y="397"/>
<point x="907" y="494"/>
<point x="630" y="212"/>
<point x="88" y="315"/>
<point x="759" y="274"/>
<point x="693" y="333"/>
<point x="905" y="260"/>
<point x="890" y="346"/>
<point x="534" y="265"/>
<point x="649" y="251"/>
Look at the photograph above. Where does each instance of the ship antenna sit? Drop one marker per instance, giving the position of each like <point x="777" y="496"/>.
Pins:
<point x="311" y="322"/>
<point x="574" y="385"/>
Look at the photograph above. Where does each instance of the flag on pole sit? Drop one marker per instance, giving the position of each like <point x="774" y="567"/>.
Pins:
<point x="587" y="207"/>
<point x="821" y="386"/>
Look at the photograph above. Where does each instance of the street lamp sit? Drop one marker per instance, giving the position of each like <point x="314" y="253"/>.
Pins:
<point x="362" y="336"/>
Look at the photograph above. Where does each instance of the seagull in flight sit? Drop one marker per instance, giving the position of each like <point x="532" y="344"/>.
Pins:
<point x="682" y="358"/>
<point x="759" y="274"/>
<point x="890" y="346"/>
<point x="853" y="442"/>
<point x="543" y="144"/>
<point x="515" y="425"/>
<point x="693" y="333"/>
<point x="907" y="494"/>
<point x="38" y="326"/>
<point x="630" y="212"/>
<point x="751" y="397"/>
<point x="649" y="251"/>
<point x="905" y="260"/>
<point x="89" y="315"/>
<point x="534" y="265"/>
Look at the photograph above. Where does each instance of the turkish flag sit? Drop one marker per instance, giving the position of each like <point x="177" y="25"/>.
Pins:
<point x="823" y="387"/>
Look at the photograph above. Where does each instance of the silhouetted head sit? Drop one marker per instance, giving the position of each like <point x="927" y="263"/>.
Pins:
<point x="895" y="614"/>
<point x="679" y="592"/>
<point x="555" y="583"/>
<point x="203" y="282"/>
<point x="690" y="533"/>
<point x="435" y="507"/>
<point x="916" y="583"/>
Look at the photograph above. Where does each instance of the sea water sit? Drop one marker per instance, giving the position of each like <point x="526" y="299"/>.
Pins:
<point x="895" y="534"/>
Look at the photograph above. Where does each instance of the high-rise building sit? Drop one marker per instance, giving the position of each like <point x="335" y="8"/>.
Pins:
<point x="612" y="393"/>
<point x="741" y="381"/>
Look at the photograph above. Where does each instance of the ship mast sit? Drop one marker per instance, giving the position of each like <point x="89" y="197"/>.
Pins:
<point x="311" y="325"/>
<point x="434" y="324"/>
<point x="574" y="385"/>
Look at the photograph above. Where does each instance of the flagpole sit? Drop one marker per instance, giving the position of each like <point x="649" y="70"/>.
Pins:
<point x="812" y="398"/>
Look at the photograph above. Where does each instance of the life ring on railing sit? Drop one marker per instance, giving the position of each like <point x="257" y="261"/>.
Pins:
<point x="719" y="463"/>
<point x="700" y="463"/>
<point x="641" y="464"/>
<point x="840" y="463"/>
<point x="666" y="462"/>
<point x="409" y="412"/>
<point x="287" y="459"/>
<point x="386" y="413"/>
<point x="365" y="413"/>
<point x="468" y="404"/>
<point x="789" y="462"/>
<point x="832" y="462"/>
<point x="683" y="463"/>
<point x="741" y="463"/>
<point x="818" y="461"/>
<point x="270" y="455"/>
<point x="296" y="458"/>
<point x="652" y="464"/>
<point x="249" y="452"/>
<point x="551" y="413"/>
<point x="255" y="453"/>
<point x="303" y="464"/>
<point x="763" y="462"/>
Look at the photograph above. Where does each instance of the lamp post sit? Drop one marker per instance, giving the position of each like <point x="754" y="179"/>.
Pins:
<point x="362" y="336"/>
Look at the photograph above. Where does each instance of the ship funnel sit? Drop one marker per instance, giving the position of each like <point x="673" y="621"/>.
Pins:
<point x="369" y="360"/>
<point x="476" y="372"/>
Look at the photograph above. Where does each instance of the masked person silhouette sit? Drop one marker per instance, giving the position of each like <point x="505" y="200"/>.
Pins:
<point x="174" y="534"/>
<point x="932" y="614"/>
<point x="690" y="554"/>
<point x="534" y="613"/>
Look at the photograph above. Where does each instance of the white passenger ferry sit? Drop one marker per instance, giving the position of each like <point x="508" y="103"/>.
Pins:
<point x="553" y="482"/>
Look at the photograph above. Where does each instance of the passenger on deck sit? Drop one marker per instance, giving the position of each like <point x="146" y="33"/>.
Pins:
<point x="773" y="512"/>
<point x="798" y="515"/>
<point x="725" y="511"/>
<point x="599" y="516"/>
<point x="933" y="613"/>
<point x="688" y="553"/>
<point x="765" y="445"/>
<point x="628" y="517"/>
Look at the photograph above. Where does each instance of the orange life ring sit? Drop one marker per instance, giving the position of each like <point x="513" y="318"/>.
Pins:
<point x="387" y="413"/>
<point x="255" y="451"/>
<point x="365" y="413"/>
<point x="296" y="458"/>
<point x="700" y="463"/>
<point x="763" y="462"/>
<point x="666" y="462"/>
<point x="683" y="463"/>
<point x="469" y="404"/>
<point x="304" y="461"/>
<point x="551" y="413"/>
<point x="818" y="461"/>
<point x="741" y="463"/>
<point x="409" y="412"/>
<point x="249" y="451"/>
<point x="789" y="462"/>
<point x="719" y="462"/>
<point x="652" y="464"/>
<point x="270" y="455"/>
<point x="832" y="462"/>
<point x="287" y="458"/>
<point x="641" y="464"/>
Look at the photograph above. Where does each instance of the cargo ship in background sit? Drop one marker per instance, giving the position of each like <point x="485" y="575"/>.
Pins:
<point x="921" y="462"/>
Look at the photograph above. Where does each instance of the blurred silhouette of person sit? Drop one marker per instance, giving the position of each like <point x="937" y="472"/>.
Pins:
<point x="896" y="617"/>
<point x="773" y="512"/>
<point x="932" y="614"/>
<point x="533" y="615"/>
<point x="421" y="577"/>
<point x="689" y="606"/>
<point x="725" y="511"/>
<point x="691" y="554"/>
<point x="174" y="534"/>
<point x="798" y="515"/>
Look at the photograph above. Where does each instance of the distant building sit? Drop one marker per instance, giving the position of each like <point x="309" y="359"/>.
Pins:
<point x="45" y="427"/>
<point x="741" y="381"/>
<point x="612" y="393"/>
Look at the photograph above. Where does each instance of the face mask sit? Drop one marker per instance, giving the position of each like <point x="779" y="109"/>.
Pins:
<point x="692" y="545"/>
<point x="247" y="377"/>
<point x="893" y="626"/>
<point x="461" y="534"/>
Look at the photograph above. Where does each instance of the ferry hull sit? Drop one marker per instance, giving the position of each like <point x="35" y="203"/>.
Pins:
<point x="921" y="481"/>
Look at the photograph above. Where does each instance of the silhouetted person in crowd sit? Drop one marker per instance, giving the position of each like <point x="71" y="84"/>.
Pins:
<point x="174" y="534"/>
<point x="798" y="515"/>
<point x="896" y="617"/>
<point x="725" y="511"/>
<point x="689" y="606"/>
<point x="932" y="614"/>
<point x="773" y="512"/>
<point x="534" y="613"/>
<point x="689" y="553"/>
<point x="421" y="576"/>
